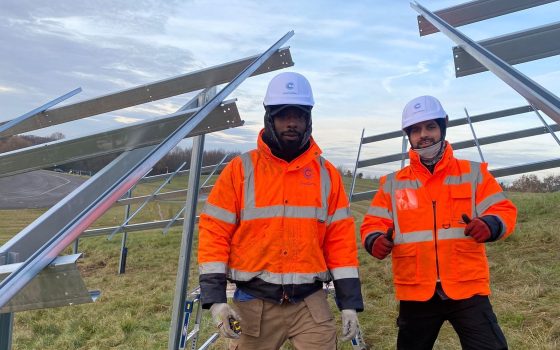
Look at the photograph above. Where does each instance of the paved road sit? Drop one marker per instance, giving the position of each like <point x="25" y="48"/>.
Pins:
<point x="36" y="189"/>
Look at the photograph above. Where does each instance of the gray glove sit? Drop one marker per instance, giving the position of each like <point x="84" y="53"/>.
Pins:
<point x="349" y="324"/>
<point x="221" y="314"/>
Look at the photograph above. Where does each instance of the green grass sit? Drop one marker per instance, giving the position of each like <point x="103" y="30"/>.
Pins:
<point x="134" y="309"/>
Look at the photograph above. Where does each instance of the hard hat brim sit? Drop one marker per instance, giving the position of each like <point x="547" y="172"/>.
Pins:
<point x="275" y="109"/>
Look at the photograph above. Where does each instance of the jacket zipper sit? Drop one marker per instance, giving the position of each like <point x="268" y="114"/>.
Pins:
<point x="435" y="238"/>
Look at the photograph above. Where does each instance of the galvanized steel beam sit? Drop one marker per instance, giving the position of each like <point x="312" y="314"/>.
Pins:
<point x="114" y="141"/>
<point x="152" y="92"/>
<point x="533" y="92"/>
<point x="474" y="11"/>
<point x="525" y="46"/>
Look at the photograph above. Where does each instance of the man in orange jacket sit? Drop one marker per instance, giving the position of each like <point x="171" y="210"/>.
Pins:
<point x="436" y="215"/>
<point x="277" y="223"/>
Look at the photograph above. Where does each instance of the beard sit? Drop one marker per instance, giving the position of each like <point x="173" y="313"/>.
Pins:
<point x="290" y="144"/>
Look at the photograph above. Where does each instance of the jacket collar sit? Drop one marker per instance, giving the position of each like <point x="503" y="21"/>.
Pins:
<point x="311" y="153"/>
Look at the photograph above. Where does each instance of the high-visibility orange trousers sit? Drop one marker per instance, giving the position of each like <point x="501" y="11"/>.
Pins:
<point x="308" y="325"/>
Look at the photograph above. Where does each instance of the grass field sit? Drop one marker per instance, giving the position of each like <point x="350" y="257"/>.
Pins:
<point x="134" y="309"/>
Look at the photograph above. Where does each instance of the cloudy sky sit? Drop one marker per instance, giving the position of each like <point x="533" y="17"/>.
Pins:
<point x="364" y="59"/>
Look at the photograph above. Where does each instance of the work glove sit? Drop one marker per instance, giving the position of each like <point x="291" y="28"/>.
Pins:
<point x="349" y="324"/>
<point x="383" y="245"/>
<point x="225" y="317"/>
<point x="476" y="228"/>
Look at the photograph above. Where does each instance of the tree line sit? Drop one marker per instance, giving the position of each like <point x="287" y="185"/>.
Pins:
<point x="531" y="183"/>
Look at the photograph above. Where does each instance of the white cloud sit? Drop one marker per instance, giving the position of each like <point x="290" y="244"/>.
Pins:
<point x="7" y="89"/>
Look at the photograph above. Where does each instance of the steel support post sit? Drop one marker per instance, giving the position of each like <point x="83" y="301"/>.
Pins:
<point x="403" y="151"/>
<point x="186" y="246"/>
<point x="124" y="248"/>
<point x="548" y="128"/>
<point x="7" y="319"/>
<point x="6" y="329"/>
<point x="356" y="166"/>
<point x="75" y="246"/>
<point x="474" y="135"/>
<point x="182" y="282"/>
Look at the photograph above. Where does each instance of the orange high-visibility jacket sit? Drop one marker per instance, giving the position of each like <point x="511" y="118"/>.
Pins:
<point x="425" y="210"/>
<point x="278" y="230"/>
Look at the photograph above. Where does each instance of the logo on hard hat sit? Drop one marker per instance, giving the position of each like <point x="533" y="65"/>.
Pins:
<point x="418" y="105"/>
<point x="290" y="86"/>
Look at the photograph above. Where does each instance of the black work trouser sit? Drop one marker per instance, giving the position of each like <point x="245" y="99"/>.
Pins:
<point x="473" y="319"/>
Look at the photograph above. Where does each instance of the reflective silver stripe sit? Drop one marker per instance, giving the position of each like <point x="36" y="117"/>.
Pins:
<point x="212" y="267"/>
<point x="392" y="183"/>
<point x="279" y="278"/>
<point x="388" y="188"/>
<point x="277" y="211"/>
<point x="344" y="272"/>
<point x="452" y="233"/>
<point x="490" y="201"/>
<point x="325" y="183"/>
<point x="220" y="213"/>
<point x="249" y="180"/>
<point x="402" y="184"/>
<point x="413" y="237"/>
<point x="339" y="214"/>
<point x="379" y="212"/>
<point x="461" y="179"/>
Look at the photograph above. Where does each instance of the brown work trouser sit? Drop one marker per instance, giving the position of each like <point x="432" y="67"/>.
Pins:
<point x="309" y="325"/>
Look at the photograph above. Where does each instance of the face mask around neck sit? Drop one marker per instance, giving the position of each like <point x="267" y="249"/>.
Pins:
<point x="429" y="155"/>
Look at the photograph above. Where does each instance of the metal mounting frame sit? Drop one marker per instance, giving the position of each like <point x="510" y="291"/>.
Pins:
<point x="526" y="87"/>
<point x="40" y="243"/>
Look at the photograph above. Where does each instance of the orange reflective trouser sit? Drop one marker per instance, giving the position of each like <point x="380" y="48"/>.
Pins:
<point x="309" y="324"/>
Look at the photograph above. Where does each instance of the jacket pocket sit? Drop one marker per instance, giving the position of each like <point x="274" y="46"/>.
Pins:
<point x="461" y="201"/>
<point x="405" y="264"/>
<point x="319" y="307"/>
<point x="469" y="260"/>
<point x="251" y="315"/>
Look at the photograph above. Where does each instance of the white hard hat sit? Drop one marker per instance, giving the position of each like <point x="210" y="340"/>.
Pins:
<point x="289" y="88"/>
<point x="421" y="109"/>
